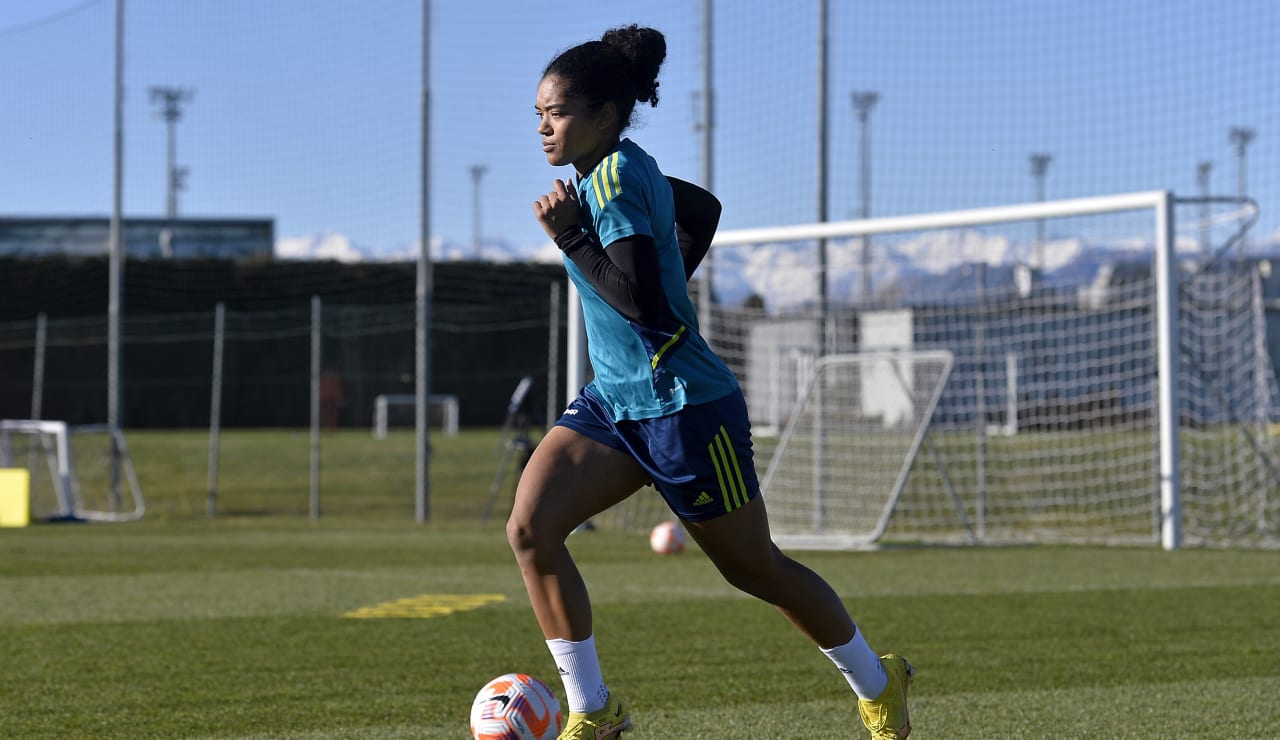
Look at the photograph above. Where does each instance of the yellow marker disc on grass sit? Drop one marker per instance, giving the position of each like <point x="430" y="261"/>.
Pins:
<point x="425" y="606"/>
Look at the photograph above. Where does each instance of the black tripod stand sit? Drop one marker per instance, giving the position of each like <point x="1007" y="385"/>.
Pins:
<point x="514" y="447"/>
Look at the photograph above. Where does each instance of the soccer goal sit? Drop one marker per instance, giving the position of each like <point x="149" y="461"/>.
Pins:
<point x="87" y="467"/>
<point x="1110" y="384"/>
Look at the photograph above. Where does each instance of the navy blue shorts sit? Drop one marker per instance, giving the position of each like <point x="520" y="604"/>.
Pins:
<point x="699" y="458"/>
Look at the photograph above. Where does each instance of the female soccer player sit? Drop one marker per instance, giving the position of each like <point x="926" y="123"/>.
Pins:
<point x="663" y="408"/>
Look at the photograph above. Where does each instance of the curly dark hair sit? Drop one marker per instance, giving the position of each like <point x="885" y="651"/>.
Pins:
<point x="622" y="68"/>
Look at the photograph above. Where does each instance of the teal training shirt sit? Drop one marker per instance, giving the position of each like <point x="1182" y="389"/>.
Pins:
<point x="643" y="372"/>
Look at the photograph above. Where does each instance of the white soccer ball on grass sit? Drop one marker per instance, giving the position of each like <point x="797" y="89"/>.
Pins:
<point x="515" y="706"/>
<point x="667" y="538"/>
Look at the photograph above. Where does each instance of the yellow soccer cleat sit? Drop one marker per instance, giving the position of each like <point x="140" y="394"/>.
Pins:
<point x="608" y="722"/>
<point x="886" y="716"/>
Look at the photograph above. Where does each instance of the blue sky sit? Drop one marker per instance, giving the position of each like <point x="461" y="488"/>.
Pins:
<point x="307" y="111"/>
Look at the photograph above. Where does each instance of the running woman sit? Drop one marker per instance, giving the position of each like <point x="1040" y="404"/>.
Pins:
<point x="663" y="407"/>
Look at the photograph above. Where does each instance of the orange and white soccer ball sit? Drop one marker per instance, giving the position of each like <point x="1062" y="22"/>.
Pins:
<point x="515" y="706"/>
<point x="667" y="538"/>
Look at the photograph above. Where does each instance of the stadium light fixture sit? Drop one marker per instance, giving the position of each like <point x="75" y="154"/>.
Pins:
<point x="171" y="100"/>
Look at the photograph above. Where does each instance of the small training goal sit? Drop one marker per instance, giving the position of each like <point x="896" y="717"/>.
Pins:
<point x="76" y="472"/>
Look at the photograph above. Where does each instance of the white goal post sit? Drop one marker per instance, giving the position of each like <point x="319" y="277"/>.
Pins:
<point x="1158" y="202"/>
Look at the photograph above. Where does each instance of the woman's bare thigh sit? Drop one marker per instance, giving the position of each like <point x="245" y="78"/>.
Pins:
<point x="571" y="478"/>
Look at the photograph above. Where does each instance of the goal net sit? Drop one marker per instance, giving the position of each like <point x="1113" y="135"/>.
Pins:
<point x="858" y="422"/>
<point x="1111" y="382"/>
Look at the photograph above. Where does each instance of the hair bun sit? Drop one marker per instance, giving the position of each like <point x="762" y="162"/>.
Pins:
<point x="645" y="49"/>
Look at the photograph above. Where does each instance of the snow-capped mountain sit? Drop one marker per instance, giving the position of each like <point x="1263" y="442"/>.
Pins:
<point x="340" y="247"/>
<point x="919" y="267"/>
<point x="319" y="247"/>
<point x="922" y="264"/>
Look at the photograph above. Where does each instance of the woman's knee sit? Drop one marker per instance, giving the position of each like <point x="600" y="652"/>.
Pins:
<point x="519" y="534"/>
<point x="758" y="576"/>
<point x="526" y="536"/>
<point x="533" y="531"/>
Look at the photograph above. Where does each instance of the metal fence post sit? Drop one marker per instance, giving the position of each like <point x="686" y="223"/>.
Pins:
<point x="316" y="339"/>
<point x="215" y="408"/>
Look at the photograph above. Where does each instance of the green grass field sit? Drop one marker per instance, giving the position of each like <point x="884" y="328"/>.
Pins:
<point x="241" y="627"/>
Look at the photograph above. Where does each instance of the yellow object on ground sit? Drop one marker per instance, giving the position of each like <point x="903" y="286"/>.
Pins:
<point x="15" y="502"/>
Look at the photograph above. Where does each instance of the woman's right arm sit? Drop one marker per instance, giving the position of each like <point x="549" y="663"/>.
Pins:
<point x="697" y="216"/>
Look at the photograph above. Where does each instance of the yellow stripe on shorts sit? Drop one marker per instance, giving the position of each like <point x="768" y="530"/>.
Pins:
<point x="728" y="472"/>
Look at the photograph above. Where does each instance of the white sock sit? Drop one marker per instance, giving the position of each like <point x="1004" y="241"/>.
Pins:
<point x="860" y="666"/>
<point x="580" y="672"/>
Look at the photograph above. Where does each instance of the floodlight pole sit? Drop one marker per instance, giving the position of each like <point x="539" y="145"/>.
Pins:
<point x="1203" y="171"/>
<point x="824" y="309"/>
<point x="1039" y="167"/>
<point x="116" y="254"/>
<point x="477" y="173"/>
<point x="863" y="102"/>
<point x="823" y="298"/>
<point x="704" y="127"/>
<point x="1240" y="139"/>
<point x="422" y="292"/>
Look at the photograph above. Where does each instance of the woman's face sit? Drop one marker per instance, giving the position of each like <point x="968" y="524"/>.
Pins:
<point x="571" y="132"/>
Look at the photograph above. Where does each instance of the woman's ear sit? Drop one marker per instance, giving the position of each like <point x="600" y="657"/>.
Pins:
<point x="607" y="118"/>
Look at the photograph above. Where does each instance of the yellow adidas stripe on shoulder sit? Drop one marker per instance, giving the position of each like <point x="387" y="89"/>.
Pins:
<point x="605" y="181"/>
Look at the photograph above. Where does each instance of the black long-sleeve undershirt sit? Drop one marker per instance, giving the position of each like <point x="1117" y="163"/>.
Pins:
<point x="627" y="275"/>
